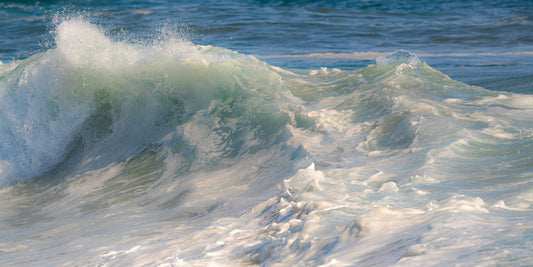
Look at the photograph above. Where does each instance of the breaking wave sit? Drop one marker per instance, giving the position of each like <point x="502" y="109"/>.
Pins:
<point x="248" y="163"/>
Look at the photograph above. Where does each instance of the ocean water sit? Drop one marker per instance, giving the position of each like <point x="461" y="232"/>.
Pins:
<point x="266" y="133"/>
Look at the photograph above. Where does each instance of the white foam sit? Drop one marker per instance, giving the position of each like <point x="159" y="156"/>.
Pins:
<point x="305" y="180"/>
<point x="389" y="187"/>
<point x="38" y="121"/>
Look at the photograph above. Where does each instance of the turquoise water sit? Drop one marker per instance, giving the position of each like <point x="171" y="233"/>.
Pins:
<point x="266" y="133"/>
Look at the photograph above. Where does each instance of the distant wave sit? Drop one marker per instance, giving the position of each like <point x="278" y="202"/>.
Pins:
<point x="373" y="55"/>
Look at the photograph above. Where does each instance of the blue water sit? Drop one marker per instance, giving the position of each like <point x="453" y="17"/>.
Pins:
<point x="268" y="133"/>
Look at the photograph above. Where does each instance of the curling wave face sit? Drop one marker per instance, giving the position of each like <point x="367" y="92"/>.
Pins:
<point x="185" y="154"/>
<point x="114" y="96"/>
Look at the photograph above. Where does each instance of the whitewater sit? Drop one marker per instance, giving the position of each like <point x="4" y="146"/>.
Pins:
<point x="170" y="153"/>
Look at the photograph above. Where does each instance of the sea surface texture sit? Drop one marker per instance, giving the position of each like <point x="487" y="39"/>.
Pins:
<point x="266" y="133"/>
